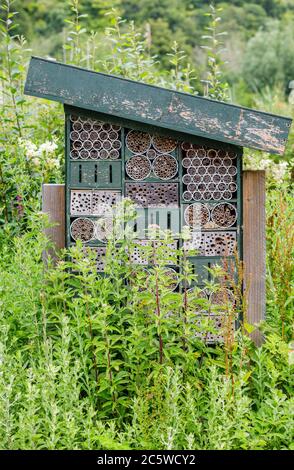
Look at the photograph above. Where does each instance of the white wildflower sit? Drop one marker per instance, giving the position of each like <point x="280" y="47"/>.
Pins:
<point x="36" y="161"/>
<point x="279" y="171"/>
<point x="48" y="147"/>
<point x="264" y="164"/>
<point x="29" y="147"/>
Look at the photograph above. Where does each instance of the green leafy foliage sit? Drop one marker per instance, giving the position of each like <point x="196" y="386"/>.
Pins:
<point x="117" y="361"/>
<point x="215" y="86"/>
<point x="91" y="362"/>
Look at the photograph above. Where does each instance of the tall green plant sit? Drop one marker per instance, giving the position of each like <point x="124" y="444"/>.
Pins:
<point x="215" y="86"/>
<point x="76" y="37"/>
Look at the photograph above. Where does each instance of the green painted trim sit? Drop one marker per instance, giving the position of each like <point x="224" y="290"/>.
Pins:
<point x="239" y="204"/>
<point x="67" y="174"/>
<point x="127" y="123"/>
<point x="163" y="108"/>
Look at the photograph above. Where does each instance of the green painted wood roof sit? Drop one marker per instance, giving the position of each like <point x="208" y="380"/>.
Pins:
<point x="152" y="105"/>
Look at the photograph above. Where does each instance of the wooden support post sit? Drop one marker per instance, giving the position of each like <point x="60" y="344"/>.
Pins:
<point x="254" y="248"/>
<point x="53" y="203"/>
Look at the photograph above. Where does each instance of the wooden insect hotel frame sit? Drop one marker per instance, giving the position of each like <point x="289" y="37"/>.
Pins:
<point x="178" y="157"/>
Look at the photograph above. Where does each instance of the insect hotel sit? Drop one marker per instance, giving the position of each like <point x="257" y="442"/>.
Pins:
<point x="178" y="157"/>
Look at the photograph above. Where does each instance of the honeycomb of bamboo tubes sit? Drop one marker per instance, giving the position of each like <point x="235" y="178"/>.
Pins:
<point x="224" y="215"/>
<point x="92" y="140"/>
<point x="138" y="142"/>
<point x="164" y="144"/>
<point x="212" y="172"/>
<point x="165" y="167"/>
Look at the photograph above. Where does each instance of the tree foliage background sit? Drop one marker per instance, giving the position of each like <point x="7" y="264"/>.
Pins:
<point x="259" y="46"/>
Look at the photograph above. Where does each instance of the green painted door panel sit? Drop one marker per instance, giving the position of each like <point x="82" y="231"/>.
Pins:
<point x="98" y="174"/>
<point x="166" y="219"/>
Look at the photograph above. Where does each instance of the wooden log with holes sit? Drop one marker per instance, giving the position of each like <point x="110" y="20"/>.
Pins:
<point x="254" y="248"/>
<point x="253" y="239"/>
<point x="53" y="204"/>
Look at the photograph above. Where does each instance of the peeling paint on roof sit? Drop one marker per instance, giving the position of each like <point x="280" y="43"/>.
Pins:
<point x="151" y="105"/>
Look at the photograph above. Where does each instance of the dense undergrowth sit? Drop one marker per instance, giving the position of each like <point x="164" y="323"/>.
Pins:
<point x="99" y="362"/>
<point x="90" y="362"/>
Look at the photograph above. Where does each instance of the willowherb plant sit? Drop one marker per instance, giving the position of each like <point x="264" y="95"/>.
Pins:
<point x="74" y="48"/>
<point x="214" y="85"/>
<point x="280" y="237"/>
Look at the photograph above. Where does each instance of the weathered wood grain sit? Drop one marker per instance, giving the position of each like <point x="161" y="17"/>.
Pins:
<point x="254" y="247"/>
<point x="151" y="105"/>
<point x="53" y="204"/>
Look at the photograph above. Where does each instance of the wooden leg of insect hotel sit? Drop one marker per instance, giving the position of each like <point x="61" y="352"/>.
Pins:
<point x="53" y="204"/>
<point x="254" y="248"/>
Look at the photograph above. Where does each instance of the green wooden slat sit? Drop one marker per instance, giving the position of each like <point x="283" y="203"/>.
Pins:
<point x="167" y="109"/>
<point x="82" y="174"/>
<point x="151" y="129"/>
<point x="201" y="265"/>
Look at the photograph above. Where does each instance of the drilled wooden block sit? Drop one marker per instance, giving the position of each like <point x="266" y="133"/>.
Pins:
<point x="148" y="255"/>
<point x="89" y="202"/>
<point x="100" y="253"/>
<point x="153" y="194"/>
<point x="220" y="243"/>
<point x="222" y="326"/>
<point x="212" y="243"/>
<point x="103" y="202"/>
